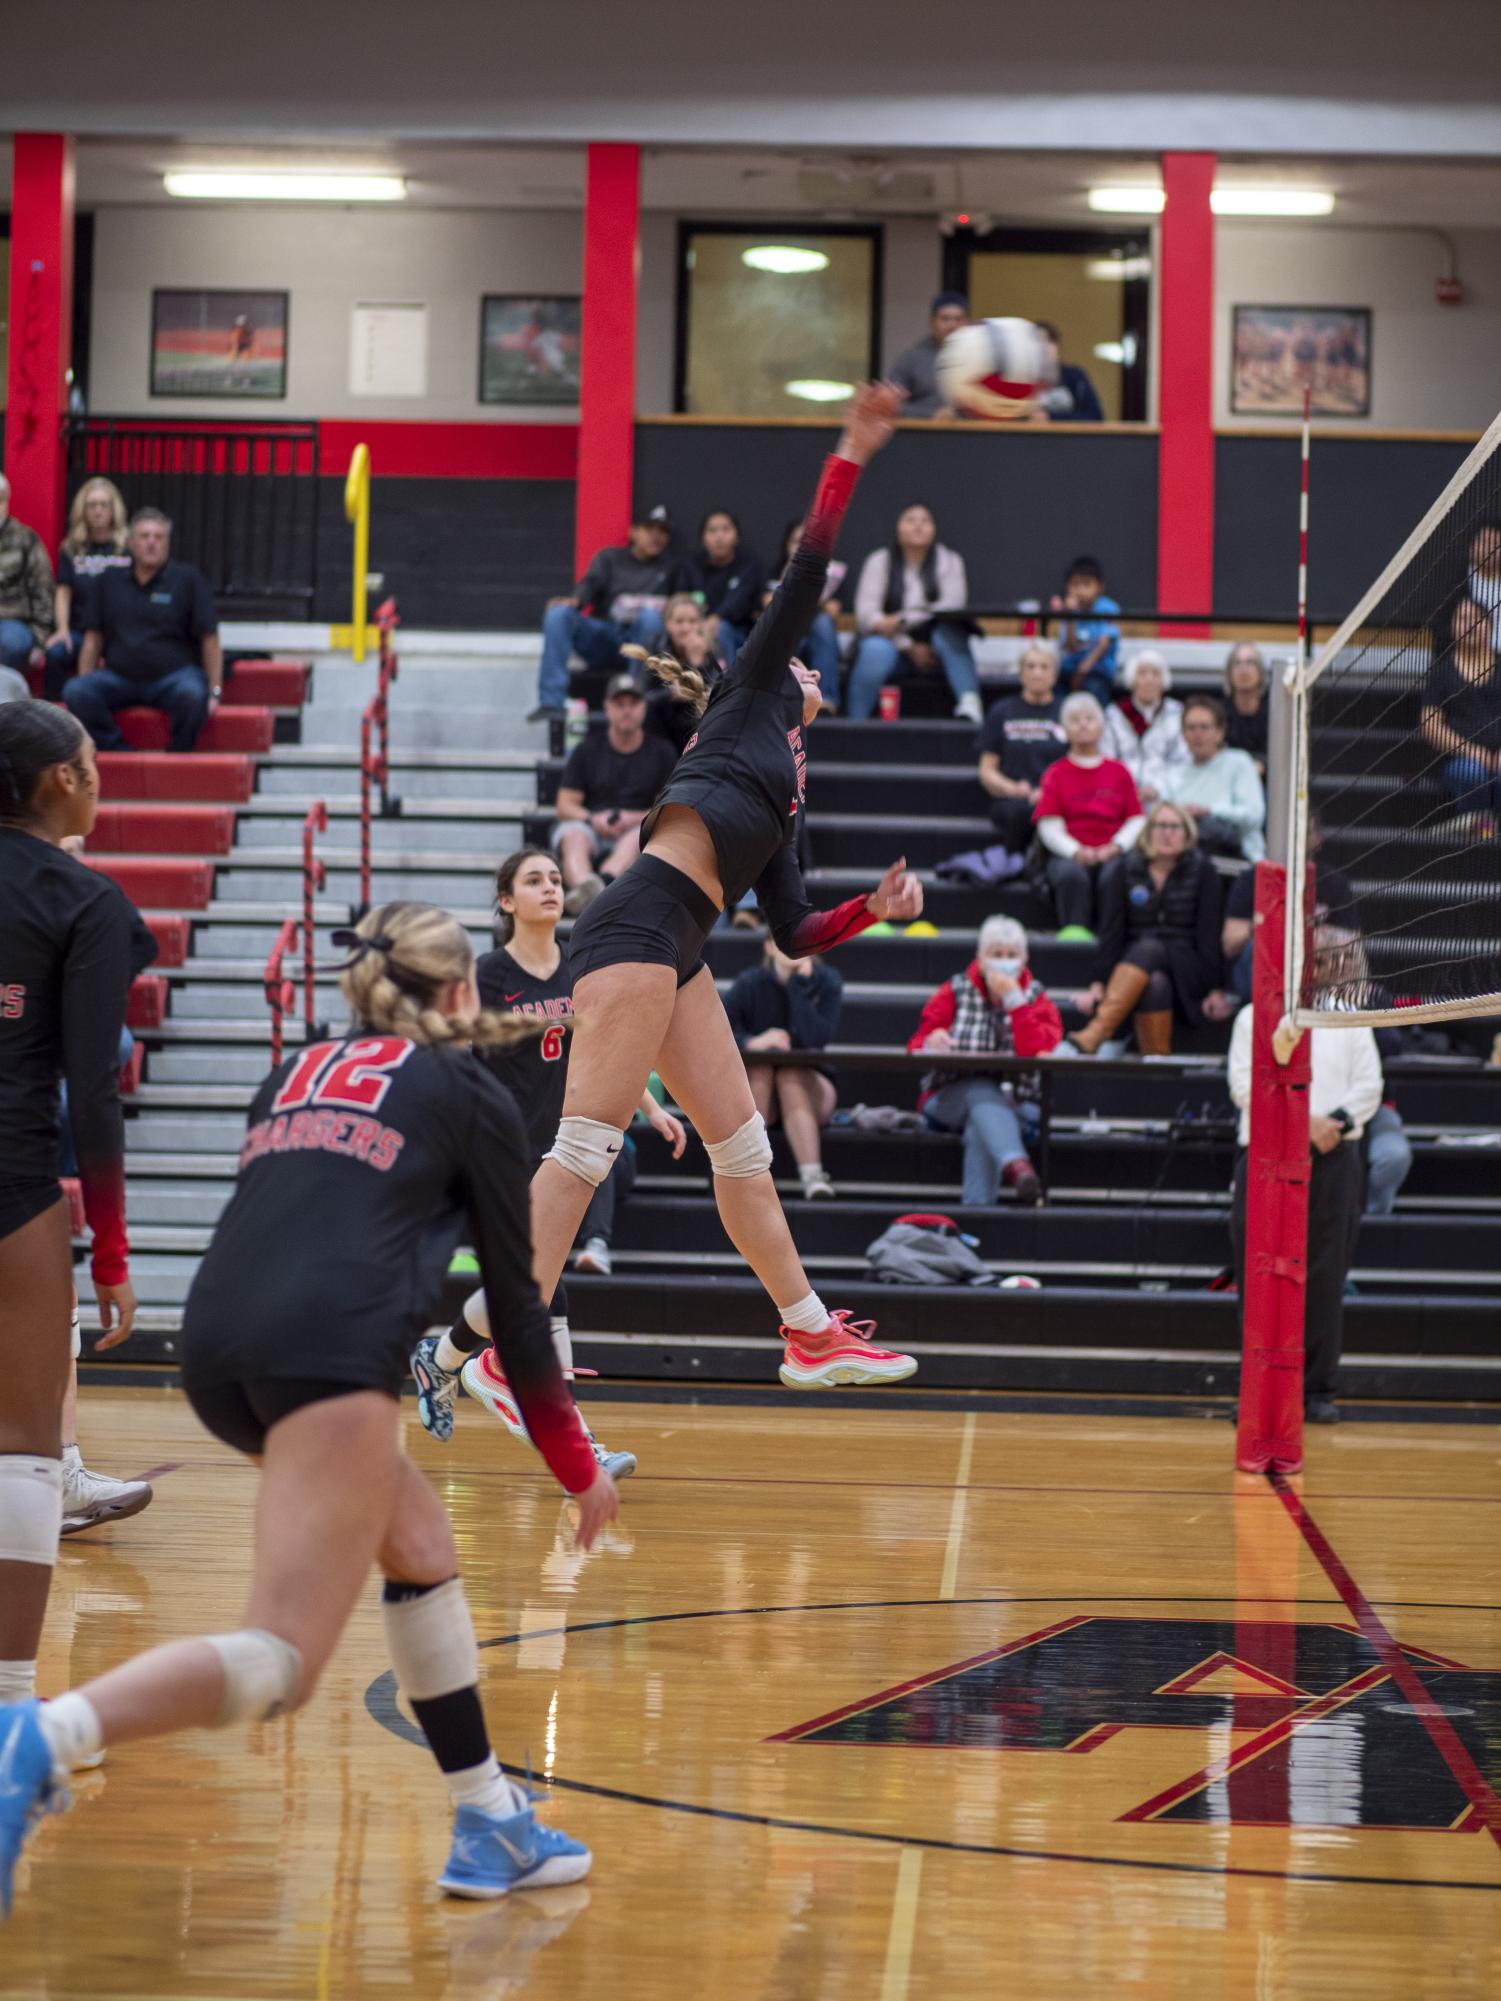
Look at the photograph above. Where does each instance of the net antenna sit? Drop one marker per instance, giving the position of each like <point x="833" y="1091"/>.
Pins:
<point x="1396" y="779"/>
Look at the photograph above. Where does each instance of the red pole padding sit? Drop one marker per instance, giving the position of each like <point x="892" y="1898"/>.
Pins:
<point x="1270" y="1429"/>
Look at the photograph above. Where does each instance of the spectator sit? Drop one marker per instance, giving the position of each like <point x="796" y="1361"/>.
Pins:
<point x="1246" y="703"/>
<point x="1462" y="716"/>
<point x="25" y="599"/>
<point x="1334" y="904"/>
<point x="994" y="1005"/>
<point x="95" y="542"/>
<point x="1090" y="639"/>
<point x="685" y="637"/>
<point x="1218" y="786"/>
<point x="620" y="597"/>
<point x="790" y="1004"/>
<point x="915" y="370"/>
<point x="1144" y="726"/>
<point x="900" y="605"/>
<point x="1344" y="1093"/>
<point x="731" y="581"/>
<point x="1087" y="813"/>
<point x="606" y="790"/>
<point x="1021" y="737"/>
<point x="1072" y="399"/>
<point x="1159" y="938"/>
<point x="819" y="647"/>
<point x="1485" y="574"/>
<point x="155" y="624"/>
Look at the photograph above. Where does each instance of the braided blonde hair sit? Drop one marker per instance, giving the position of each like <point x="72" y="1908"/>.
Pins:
<point x="401" y="956"/>
<point x="687" y="683"/>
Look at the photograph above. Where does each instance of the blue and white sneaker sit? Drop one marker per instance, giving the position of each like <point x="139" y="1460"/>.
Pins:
<point x="30" y="1789"/>
<point x="492" y="1856"/>
<point x="437" y="1389"/>
<point x="619" y="1465"/>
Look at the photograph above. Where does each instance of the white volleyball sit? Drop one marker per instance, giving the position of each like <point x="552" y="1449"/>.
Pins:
<point x="992" y="368"/>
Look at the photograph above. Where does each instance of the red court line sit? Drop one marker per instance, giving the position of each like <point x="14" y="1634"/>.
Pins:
<point x="156" y="1472"/>
<point x="1471" y="1779"/>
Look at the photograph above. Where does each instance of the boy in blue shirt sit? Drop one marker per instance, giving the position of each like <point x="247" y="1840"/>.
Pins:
<point x="1090" y="640"/>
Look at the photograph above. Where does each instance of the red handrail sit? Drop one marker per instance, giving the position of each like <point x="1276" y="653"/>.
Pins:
<point x="314" y="875"/>
<point x="281" y="993"/>
<point x="375" y="765"/>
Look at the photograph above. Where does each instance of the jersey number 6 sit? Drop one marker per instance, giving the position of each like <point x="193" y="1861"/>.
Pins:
<point x="358" y="1081"/>
<point x="552" y="1045"/>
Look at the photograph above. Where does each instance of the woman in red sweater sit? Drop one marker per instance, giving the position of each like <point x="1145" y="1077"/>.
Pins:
<point x="994" y="1005"/>
<point x="1087" y="814"/>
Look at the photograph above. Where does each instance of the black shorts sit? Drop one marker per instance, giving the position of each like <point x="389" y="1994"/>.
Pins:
<point x="653" y="915"/>
<point x="242" y="1413"/>
<point x="21" y="1202"/>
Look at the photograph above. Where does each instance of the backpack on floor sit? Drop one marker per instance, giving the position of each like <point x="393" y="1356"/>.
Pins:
<point x="926" y="1250"/>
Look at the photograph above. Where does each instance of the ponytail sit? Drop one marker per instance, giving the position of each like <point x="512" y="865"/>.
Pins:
<point x="688" y="684"/>
<point x="34" y="736"/>
<point x="401" y="955"/>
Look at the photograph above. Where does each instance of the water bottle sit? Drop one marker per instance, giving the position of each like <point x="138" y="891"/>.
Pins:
<point x="575" y="722"/>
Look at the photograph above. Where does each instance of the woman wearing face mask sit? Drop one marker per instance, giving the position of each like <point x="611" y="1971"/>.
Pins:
<point x="900" y="605"/>
<point x="731" y="582"/>
<point x="1159" y="938"/>
<point x="1144" y="725"/>
<point x="994" y="1005"/>
<point x="1246" y="703"/>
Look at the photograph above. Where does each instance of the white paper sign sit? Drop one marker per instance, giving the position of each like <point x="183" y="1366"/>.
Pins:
<point x="387" y="349"/>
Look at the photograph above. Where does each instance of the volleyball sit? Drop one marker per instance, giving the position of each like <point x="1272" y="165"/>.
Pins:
<point x="993" y="368"/>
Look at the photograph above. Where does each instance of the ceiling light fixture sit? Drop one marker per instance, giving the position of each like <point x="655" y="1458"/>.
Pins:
<point x="247" y="186"/>
<point x="1127" y="201"/>
<point x="1271" y="201"/>
<point x="787" y="259"/>
<point x="1120" y="268"/>
<point x="811" y="389"/>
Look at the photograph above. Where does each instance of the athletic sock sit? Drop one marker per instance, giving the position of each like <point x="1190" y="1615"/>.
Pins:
<point x="562" y="1340"/>
<point x="72" y="1728"/>
<point x="486" y="1786"/>
<point x="808" y="1316"/>
<point x="448" y="1354"/>
<point x="72" y="1460"/>
<point x="17" y="1681"/>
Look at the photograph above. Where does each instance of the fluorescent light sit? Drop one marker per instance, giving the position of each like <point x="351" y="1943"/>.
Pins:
<point x="1120" y="268"/>
<point x="1271" y="201"/>
<point x="812" y="390"/>
<point x="786" y="258"/>
<point x="1127" y="201"/>
<point x="214" y="186"/>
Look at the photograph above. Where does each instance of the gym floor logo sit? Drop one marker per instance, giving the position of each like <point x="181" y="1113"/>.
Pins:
<point x="1323" y="1737"/>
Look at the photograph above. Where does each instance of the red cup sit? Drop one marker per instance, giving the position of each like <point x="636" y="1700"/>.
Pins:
<point x="890" y="704"/>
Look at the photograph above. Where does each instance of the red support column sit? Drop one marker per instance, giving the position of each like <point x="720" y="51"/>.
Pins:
<point x="607" y="395"/>
<point x="41" y="329"/>
<point x="1185" y="403"/>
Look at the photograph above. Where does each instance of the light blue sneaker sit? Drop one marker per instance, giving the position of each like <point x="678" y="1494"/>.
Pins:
<point x="492" y="1856"/>
<point x="29" y="1789"/>
<point x="437" y="1388"/>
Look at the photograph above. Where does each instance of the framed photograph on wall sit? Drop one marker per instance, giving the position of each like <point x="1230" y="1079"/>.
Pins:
<point x="229" y="344"/>
<point x="529" y="348"/>
<point x="1279" y="351"/>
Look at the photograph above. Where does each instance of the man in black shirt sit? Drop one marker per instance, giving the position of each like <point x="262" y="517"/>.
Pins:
<point x="608" y="784"/>
<point x="617" y="601"/>
<point x="155" y="624"/>
<point x="1019" y="739"/>
<point x="915" y="370"/>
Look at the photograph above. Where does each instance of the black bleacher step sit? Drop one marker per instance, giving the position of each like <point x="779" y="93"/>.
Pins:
<point x="837" y="788"/>
<point x="907" y="961"/>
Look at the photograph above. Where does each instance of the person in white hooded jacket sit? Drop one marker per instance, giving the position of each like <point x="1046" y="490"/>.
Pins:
<point x="1144" y="725"/>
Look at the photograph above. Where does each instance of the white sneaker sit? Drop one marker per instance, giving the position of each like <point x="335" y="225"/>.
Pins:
<point x="595" y="1257"/>
<point x="967" y="709"/>
<point x="91" y="1498"/>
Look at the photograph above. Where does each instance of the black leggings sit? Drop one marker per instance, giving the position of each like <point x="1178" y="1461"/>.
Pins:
<point x="1150" y="956"/>
<point x="240" y="1414"/>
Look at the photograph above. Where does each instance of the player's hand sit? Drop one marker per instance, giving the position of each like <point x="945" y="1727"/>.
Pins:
<point x="117" y="1314"/>
<point x="868" y="422"/>
<point x="898" y="895"/>
<point x="671" y="1129"/>
<point x="599" y="1503"/>
<point x="1323" y="1134"/>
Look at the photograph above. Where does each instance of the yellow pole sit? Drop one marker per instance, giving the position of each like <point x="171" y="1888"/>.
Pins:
<point x="357" y="510"/>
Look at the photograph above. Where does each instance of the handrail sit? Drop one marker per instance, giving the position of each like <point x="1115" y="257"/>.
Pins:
<point x="375" y="765"/>
<point x="314" y="876"/>
<point x="281" y="993"/>
<point x="357" y="510"/>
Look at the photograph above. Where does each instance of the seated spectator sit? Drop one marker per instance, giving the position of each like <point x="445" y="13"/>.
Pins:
<point x="155" y="625"/>
<point x="685" y="639"/>
<point x="790" y="1004"/>
<point x="1462" y="715"/>
<point x="1090" y="639"/>
<point x="1086" y="814"/>
<point x="605" y="792"/>
<point x="1335" y="904"/>
<point x="95" y="542"/>
<point x="1021" y="737"/>
<point x="1246" y="703"/>
<point x="619" y="597"/>
<point x="1485" y="574"/>
<point x="25" y="599"/>
<point x="915" y="370"/>
<point x="1218" y="786"/>
<point x="900" y="602"/>
<point x="730" y="580"/>
<point x="1072" y="399"/>
<point x="819" y="646"/>
<point x="1159" y="938"/>
<point x="994" y="1005"/>
<point x="1144" y="726"/>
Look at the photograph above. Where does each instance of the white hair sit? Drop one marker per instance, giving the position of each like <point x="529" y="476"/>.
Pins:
<point x="1076" y="706"/>
<point x="1005" y="932"/>
<point x="4" y="487"/>
<point x="1045" y="647"/>
<point x="1148" y="657"/>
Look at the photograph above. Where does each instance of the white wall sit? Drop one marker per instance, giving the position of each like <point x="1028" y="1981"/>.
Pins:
<point x="1433" y="367"/>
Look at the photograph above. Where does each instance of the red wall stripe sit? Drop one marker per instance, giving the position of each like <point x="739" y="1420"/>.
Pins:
<point x="453" y="451"/>
<point x="1185" y="452"/>
<point x="41" y="328"/>
<point x="607" y="395"/>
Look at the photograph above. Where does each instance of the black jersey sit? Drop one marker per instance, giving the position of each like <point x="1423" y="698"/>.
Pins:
<point x="744" y="769"/>
<point x="534" y="1072"/>
<point x="65" y="967"/>
<point x="362" y="1158"/>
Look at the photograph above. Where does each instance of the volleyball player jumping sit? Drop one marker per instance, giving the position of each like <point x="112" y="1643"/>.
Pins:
<point x="643" y="997"/>
<point x="65" y="966"/>
<point x="361" y="1159"/>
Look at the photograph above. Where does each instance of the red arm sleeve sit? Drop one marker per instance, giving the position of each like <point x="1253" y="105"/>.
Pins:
<point x="1036" y="1026"/>
<point x="763" y="659"/>
<point x="938" y="1012"/>
<point x="798" y="928"/>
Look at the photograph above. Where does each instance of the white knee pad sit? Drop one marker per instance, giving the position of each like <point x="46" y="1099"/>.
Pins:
<point x="587" y="1148"/>
<point x="746" y="1151"/>
<point x="431" y="1641"/>
<point x="31" y="1508"/>
<point x="477" y="1313"/>
<point x="262" y="1674"/>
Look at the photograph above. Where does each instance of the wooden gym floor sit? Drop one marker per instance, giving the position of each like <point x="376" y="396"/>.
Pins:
<point x="870" y="1700"/>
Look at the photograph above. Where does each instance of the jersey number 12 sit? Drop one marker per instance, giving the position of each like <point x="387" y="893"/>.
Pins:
<point x="357" y="1082"/>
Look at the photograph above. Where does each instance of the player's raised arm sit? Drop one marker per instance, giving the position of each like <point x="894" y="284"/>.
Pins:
<point x="800" y="930"/>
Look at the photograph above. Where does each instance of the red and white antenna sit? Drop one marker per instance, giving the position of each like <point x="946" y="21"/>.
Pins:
<point x="1303" y="542"/>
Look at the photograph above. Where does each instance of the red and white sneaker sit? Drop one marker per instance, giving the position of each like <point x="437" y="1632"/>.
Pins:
<point x="842" y="1353"/>
<point x="483" y="1381"/>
